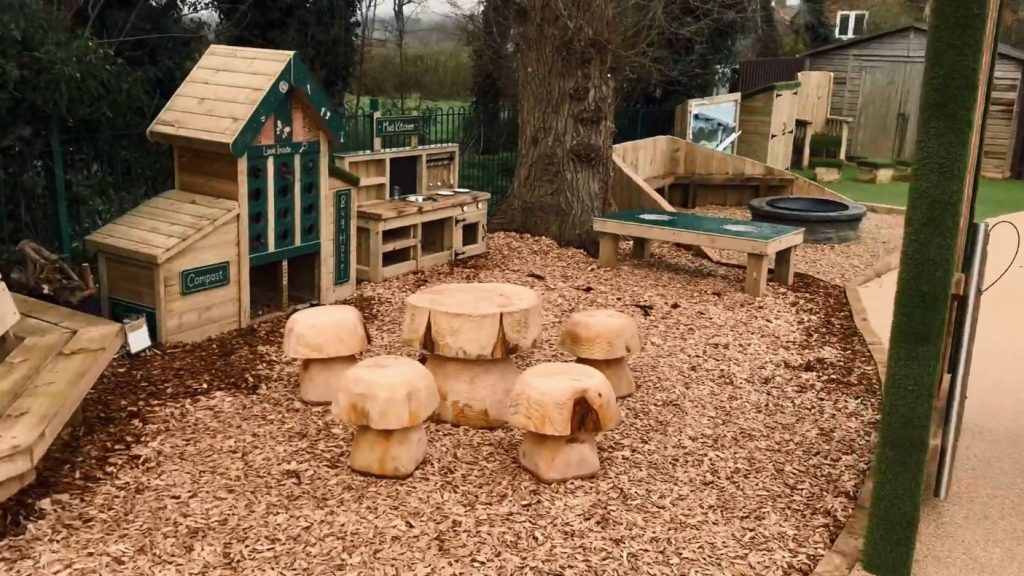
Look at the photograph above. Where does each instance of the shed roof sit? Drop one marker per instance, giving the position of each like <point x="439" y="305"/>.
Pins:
<point x="163" y="226"/>
<point x="1003" y="49"/>
<point x="228" y="95"/>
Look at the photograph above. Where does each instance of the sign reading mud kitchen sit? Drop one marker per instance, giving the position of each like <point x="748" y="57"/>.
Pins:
<point x="204" y="278"/>
<point x="398" y="126"/>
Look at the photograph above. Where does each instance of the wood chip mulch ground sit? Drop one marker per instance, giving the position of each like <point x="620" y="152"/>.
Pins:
<point x="741" y="453"/>
<point x="881" y="235"/>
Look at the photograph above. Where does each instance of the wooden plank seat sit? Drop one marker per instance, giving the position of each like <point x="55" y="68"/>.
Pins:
<point x="764" y="184"/>
<point x="58" y="356"/>
<point x="758" y="239"/>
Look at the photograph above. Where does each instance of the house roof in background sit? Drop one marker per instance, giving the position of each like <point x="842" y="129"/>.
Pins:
<point x="1004" y="49"/>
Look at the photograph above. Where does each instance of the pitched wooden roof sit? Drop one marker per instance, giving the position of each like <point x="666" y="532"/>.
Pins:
<point x="1001" y="49"/>
<point x="228" y="95"/>
<point x="162" y="226"/>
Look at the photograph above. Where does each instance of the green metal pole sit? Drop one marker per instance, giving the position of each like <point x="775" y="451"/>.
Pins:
<point x="60" y="194"/>
<point x="959" y="34"/>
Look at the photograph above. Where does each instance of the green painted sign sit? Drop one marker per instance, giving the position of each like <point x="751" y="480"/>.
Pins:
<point x="342" y="235"/>
<point x="205" y="278"/>
<point x="262" y="150"/>
<point x="121" y="310"/>
<point x="399" y="126"/>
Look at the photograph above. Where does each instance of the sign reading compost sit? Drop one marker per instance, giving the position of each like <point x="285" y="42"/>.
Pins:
<point x="398" y="126"/>
<point x="204" y="278"/>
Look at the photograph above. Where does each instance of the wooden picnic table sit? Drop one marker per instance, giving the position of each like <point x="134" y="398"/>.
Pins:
<point x="758" y="239"/>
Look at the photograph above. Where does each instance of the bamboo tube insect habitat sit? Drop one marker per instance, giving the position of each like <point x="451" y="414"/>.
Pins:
<point x="255" y="224"/>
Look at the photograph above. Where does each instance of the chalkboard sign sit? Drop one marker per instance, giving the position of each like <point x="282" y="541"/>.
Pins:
<point x="399" y="126"/>
<point x="342" y="235"/>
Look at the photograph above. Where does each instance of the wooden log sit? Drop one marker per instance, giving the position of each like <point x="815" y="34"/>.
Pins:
<point x="388" y="453"/>
<point x="472" y="321"/>
<point x="319" y="378"/>
<point x="561" y="406"/>
<point x="386" y="393"/>
<point x="473" y="393"/>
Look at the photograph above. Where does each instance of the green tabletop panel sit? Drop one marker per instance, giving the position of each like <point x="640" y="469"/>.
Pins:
<point x="746" y="229"/>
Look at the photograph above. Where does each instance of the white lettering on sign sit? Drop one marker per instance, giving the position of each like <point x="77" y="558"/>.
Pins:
<point x="196" y="280"/>
<point x="397" y="126"/>
<point x="275" y="149"/>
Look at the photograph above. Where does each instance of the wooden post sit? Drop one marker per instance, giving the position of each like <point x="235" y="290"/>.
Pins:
<point x="414" y="141"/>
<point x="377" y="141"/>
<point x="641" y="248"/>
<point x="757" y="274"/>
<point x="783" y="273"/>
<point x="607" y="256"/>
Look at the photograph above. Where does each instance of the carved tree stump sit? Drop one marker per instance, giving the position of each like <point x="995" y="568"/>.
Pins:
<point x="326" y="339"/>
<point x="603" y="339"/>
<point x="471" y="332"/>
<point x="561" y="406"/>
<point x="388" y="398"/>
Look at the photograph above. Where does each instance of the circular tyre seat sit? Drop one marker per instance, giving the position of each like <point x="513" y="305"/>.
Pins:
<point x="824" y="220"/>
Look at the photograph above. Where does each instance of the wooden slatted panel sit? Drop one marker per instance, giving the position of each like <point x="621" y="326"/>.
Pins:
<point x="8" y="311"/>
<point x="220" y="93"/>
<point x="32" y="422"/>
<point x="209" y="107"/>
<point x="245" y="52"/>
<point x="22" y="365"/>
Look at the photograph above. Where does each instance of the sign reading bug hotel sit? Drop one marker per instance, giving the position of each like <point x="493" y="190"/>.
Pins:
<point x="204" y="278"/>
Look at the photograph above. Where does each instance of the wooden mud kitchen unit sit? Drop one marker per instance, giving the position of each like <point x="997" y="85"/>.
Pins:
<point x="411" y="213"/>
<point x="255" y="224"/>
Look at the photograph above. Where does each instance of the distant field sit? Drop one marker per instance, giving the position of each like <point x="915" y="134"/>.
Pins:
<point x="411" y="103"/>
<point x="995" y="197"/>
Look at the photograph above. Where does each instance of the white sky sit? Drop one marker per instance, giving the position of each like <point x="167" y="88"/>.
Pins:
<point x="439" y="7"/>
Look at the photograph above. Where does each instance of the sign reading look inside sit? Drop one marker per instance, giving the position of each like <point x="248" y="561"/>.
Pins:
<point x="205" y="278"/>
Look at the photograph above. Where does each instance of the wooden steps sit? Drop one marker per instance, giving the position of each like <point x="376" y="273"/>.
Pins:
<point x="58" y="357"/>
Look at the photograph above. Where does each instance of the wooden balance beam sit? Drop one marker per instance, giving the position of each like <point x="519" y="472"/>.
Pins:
<point x="758" y="239"/>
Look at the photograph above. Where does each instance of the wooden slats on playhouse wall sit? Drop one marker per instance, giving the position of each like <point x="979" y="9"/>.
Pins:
<point x="207" y="173"/>
<point x="44" y="379"/>
<point x="1001" y="121"/>
<point x="161" y="227"/>
<point x="219" y="95"/>
<point x="861" y="85"/>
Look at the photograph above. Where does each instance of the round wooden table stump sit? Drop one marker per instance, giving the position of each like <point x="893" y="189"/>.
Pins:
<point x="471" y="332"/>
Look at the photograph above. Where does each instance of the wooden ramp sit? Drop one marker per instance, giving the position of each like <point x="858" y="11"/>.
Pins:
<point x="51" y="358"/>
<point x="666" y="173"/>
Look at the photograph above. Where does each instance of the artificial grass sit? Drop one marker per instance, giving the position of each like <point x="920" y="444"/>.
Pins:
<point x="948" y="94"/>
<point x="995" y="197"/>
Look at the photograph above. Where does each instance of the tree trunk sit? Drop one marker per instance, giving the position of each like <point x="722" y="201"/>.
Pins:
<point x="565" y="100"/>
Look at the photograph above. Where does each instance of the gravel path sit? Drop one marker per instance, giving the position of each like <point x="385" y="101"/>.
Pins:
<point x="741" y="453"/>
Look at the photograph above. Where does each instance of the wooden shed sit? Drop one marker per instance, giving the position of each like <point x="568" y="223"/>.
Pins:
<point x="768" y="124"/>
<point x="254" y="225"/>
<point x="877" y="82"/>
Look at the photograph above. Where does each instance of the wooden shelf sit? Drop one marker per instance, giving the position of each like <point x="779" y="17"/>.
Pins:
<point x="373" y="181"/>
<point x="399" y="244"/>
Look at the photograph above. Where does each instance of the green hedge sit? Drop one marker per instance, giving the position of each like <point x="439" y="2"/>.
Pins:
<point x="875" y="163"/>
<point x="827" y="163"/>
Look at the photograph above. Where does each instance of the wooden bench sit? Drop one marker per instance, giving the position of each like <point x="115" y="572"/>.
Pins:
<point x="53" y="357"/>
<point x="758" y="239"/>
<point x="690" y="182"/>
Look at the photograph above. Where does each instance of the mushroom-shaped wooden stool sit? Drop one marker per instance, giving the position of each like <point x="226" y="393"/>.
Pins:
<point x="603" y="339"/>
<point x="388" y="398"/>
<point x="471" y="332"/>
<point x="326" y="339"/>
<point x="560" y="406"/>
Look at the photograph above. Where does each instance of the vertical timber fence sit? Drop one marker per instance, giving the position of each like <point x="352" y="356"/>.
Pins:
<point x="105" y="175"/>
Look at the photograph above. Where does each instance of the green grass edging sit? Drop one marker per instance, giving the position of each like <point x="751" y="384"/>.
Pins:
<point x="953" y="59"/>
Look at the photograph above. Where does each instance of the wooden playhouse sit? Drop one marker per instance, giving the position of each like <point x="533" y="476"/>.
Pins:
<point x="768" y="124"/>
<point x="255" y="224"/>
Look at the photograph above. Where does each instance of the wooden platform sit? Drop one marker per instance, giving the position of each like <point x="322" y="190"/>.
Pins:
<point x="58" y="355"/>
